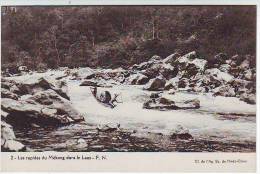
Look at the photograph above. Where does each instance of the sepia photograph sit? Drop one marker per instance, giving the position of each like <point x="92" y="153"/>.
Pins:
<point x="150" y="78"/>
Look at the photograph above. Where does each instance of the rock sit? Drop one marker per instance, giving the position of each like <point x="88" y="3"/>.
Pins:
<point x="81" y="141"/>
<point x="23" y="69"/>
<point x="89" y="83"/>
<point x="3" y="115"/>
<point x="191" y="55"/>
<point x="90" y="76"/>
<point x="249" y="75"/>
<point x="166" y="101"/>
<point x="219" y="59"/>
<point x="162" y="103"/>
<point x="155" y="58"/>
<point x="108" y="127"/>
<point x="189" y="104"/>
<point x="248" y="98"/>
<point x="7" y="132"/>
<point x="33" y="86"/>
<point x="168" y="71"/>
<point x="137" y="79"/>
<point x="172" y="84"/>
<point x="155" y="95"/>
<point x="7" y="84"/>
<point x="152" y="72"/>
<point x="155" y="104"/>
<point x="13" y="146"/>
<point x="183" y="83"/>
<point x="181" y="133"/>
<point x="189" y="65"/>
<point x="199" y="89"/>
<point x="171" y="58"/>
<point x="171" y="91"/>
<point x="226" y="91"/>
<point x="142" y="66"/>
<point x="14" y="89"/>
<point x="7" y="94"/>
<point x="45" y="108"/>
<point x="155" y="84"/>
<point x="8" y="142"/>
<point x="245" y="65"/>
<point x="225" y="68"/>
<point x="218" y="75"/>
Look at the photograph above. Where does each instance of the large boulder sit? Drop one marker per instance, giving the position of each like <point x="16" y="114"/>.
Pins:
<point x="23" y="69"/>
<point x="180" y="133"/>
<point x="189" y="65"/>
<point x="33" y="86"/>
<point x="218" y="60"/>
<point x="171" y="58"/>
<point x="137" y="79"/>
<point x="8" y="139"/>
<point x="8" y="94"/>
<point x="248" y="98"/>
<point x="162" y="103"/>
<point x="155" y="84"/>
<point x="89" y="83"/>
<point x="225" y="90"/>
<point x="188" y="104"/>
<point x="172" y="84"/>
<point x="218" y="75"/>
<point x="44" y="108"/>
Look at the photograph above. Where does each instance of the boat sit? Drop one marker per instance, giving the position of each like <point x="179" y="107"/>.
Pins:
<point x="106" y="104"/>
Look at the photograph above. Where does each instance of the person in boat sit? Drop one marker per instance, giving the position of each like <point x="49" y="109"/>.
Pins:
<point x="105" y="97"/>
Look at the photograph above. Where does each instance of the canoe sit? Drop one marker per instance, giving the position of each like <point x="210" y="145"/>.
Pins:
<point x="110" y="105"/>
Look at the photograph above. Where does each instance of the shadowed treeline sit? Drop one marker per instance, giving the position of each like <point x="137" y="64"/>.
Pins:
<point x="112" y="36"/>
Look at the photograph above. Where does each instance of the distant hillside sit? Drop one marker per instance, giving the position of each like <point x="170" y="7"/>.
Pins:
<point x="113" y="36"/>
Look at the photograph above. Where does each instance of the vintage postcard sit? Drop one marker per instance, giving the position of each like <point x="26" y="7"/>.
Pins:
<point x="159" y="87"/>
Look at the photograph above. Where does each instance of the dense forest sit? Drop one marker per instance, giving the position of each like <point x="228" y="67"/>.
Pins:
<point x="113" y="36"/>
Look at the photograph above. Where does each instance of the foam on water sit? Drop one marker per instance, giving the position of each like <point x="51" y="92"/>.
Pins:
<point x="202" y="123"/>
<point x="131" y="115"/>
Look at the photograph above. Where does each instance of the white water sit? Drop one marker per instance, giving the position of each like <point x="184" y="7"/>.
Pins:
<point x="201" y="123"/>
<point x="131" y="115"/>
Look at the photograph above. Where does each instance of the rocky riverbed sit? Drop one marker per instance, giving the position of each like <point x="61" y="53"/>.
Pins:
<point x="180" y="103"/>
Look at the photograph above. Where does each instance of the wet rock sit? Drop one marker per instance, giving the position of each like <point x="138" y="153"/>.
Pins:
<point x="219" y="59"/>
<point x="248" y="98"/>
<point x="183" y="83"/>
<point x="89" y="83"/>
<point x="8" y="142"/>
<point x="155" y="58"/>
<point x="33" y="86"/>
<point x="7" y="94"/>
<point x="245" y="65"/>
<point x="23" y="69"/>
<point x="108" y="127"/>
<point x="226" y="91"/>
<point x="172" y="84"/>
<point x="171" y="91"/>
<point x="162" y="103"/>
<point x="216" y="74"/>
<point x="171" y="58"/>
<point x="155" y="104"/>
<point x="137" y="79"/>
<point x="155" y="84"/>
<point x="45" y="108"/>
<point x="90" y="76"/>
<point x="155" y="95"/>
<point x="189" y="104"/>
<point x="3" y="115"/>
<point x="180" y="133"/>
<point x="7" y="84"/>
<point x="225" y="68"/>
